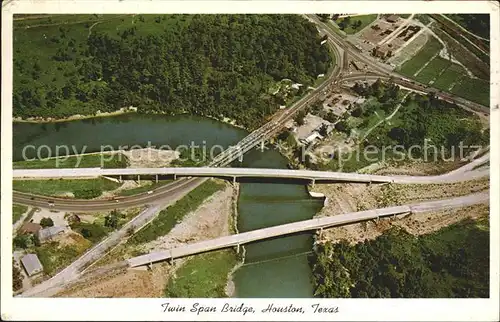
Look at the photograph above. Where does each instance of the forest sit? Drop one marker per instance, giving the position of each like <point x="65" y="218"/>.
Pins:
<point x="450" y="263"/>
<point x="422" y="117"/>
<point x="217" y="65"/>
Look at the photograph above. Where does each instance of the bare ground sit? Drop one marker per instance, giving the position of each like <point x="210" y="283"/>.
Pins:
<point x="344" y="198"/>
<point x="209" y="221"/>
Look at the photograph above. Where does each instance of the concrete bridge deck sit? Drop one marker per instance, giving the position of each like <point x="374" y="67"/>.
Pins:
<point x="306" y="225"/>
<point x="315" y="176"/>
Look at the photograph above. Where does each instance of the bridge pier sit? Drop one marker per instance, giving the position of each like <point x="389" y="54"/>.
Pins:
<point x="261" y="146"/>
<point x="238" y="249"/>
<point x="120" y="178"/>
<point x="139" y="179"/>
<point x="234" y="180"/>
<point x="175" y="177"/>
<point x="313" y="182"/>
<point x="156" y="178"/>
<point x="171" y="261"/>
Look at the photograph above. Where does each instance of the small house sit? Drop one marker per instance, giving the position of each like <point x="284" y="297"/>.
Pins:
<point x="31" y="264"/>
<point x="30" y="228"/>
<point x="50" y="232"/>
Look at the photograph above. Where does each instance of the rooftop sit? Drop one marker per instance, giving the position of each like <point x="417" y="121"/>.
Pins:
<point x="31" y="264"/>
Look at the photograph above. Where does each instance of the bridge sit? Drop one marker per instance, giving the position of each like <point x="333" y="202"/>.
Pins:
<point x="306" y="225"/>
<point x="234" y="173"/>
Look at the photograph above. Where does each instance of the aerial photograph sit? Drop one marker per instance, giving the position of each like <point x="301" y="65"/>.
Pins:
<point x="328" y="155"/>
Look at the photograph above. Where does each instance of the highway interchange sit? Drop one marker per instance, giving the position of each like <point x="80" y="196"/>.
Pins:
<point x="168" y="193"/>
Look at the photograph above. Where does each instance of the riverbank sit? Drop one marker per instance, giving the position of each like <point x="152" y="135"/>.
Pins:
<point x="98" y="114"/>
<point x="352" y="197"/>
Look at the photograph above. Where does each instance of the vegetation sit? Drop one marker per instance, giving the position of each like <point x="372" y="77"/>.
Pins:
<point x="429" y="50"/>
<point x="168" y="218"/>
<point x="435" y="67"/>
<point x="224" y="71"/>
<point x="92" y="232"/>
<point x="17" y="277"/>
<point x="450" y="263"/>
<point x="18" y="211"/>
<point x="118" y="160"/>
<point x="55" y="256"/>
<point x="202" y="276"/>
<point x="477" y="23"/>
<point x="351" y="25"/>
<point x="80" y="188"/>
<point x="479" y="67"/>
<point x="474" y="89"/>
<point x="46" y="222"/>
<point x="143" y="188"/>
<point x="191" y="157"/>
<point x="23" y="241"/>
<point x="420" y="119"/>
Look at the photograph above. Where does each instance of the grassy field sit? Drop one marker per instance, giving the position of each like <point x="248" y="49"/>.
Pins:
<point x="451" y="75"/>
<point x="203" y="276"/>
<point x="55" y="256"/>
<point x="169" y="217"/>
<point x="17" y="212"/>
<point x="118" y="160"/>
<point x="474" y="89"/>
<point x="432" y="70"/>
<point x="79" y="188"/>
<point x="431" y="48"/>
<point x="365" y="21"/>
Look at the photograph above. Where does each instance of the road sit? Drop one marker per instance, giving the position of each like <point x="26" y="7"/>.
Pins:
<point x="82" y="205"/>
<point x="234" y="173"/>
<point x="306" y="225"/>
<point x="384" y="70"/>
<point x="72" y="271"/>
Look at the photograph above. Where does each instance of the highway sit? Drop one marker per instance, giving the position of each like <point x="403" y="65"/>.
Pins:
<point x="383" y="70"/>
<point x="312" y="175"/>
<point x="306" y="225"/>
<point x="82" y="205"/>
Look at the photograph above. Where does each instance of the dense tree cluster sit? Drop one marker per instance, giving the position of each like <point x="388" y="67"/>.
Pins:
<point x="422" y="117"/>
<point x="218" y="65"/>
<point x="453" y="262"/>
<point x="477" y="23"/>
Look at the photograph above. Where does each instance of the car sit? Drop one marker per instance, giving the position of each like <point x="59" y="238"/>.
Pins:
<point x="116" y="200"/>
<point x="150" y="192"/>
<point x="51" y="204"/>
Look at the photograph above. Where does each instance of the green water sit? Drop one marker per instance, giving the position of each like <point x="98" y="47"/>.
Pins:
<point x="273" y="268"/>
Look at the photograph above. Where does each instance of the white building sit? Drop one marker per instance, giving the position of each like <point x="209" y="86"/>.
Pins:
<point x="32" y="264"/>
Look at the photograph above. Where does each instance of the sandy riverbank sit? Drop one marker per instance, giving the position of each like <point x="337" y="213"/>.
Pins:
<point x="123" y="110"/>
<point x="346" y="198"/>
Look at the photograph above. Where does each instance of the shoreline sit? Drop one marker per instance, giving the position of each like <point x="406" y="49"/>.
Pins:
<point x="122" y="111"/>
<point x="75" y="117"/>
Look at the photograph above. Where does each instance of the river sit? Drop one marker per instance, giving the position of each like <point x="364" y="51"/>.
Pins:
<point x="273" y="268"/>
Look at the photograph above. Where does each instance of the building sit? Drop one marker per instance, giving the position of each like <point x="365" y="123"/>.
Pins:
<point x="50" y="232"/>
<point x="30" y="228"/>
<point x="32" y="264"/>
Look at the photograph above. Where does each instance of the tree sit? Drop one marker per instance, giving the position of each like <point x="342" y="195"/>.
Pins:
<point x="299" y="119"/>
<point x="86" y="233"/>
<point x="17" y="278"/>
<point x="46" y="222"/>
<point x="323" y="130"/>
<point x="22" y="241"/>
<point x="111" y="220"/>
